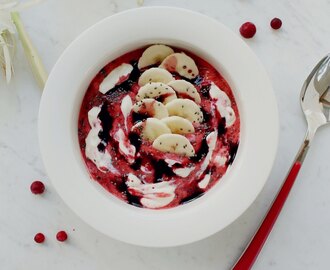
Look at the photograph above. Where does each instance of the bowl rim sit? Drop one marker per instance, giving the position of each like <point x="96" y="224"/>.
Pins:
<point x="88" y="196"/>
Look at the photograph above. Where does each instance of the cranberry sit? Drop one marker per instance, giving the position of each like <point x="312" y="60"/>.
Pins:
<point x="37" y="187"/>
<point x="276" y="23"/>
<point x="39" y="238"/>
<point x="248" y="30"/>
<point x="61" y="236"/>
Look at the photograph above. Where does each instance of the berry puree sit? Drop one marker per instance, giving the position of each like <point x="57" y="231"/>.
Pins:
<point x="158" y="127"/>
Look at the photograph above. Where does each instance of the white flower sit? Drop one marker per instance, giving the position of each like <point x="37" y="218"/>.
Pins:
<point x="7" y="33"/>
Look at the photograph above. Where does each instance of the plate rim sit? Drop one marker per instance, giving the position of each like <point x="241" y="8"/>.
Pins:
<point x="163" y="241"/>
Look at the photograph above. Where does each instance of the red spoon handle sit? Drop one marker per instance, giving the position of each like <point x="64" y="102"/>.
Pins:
<point x="250" y="254"/>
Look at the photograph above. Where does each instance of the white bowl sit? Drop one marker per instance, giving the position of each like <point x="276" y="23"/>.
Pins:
<point x="107" y="40"/>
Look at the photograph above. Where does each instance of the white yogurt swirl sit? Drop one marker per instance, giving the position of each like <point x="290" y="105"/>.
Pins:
<point x="154" y="195"/>
<point x="223" y="104"/>
<point x="102" y="160"/>
<point x="125" y="148"/>
<point x="115" y="77"/>
<point x="205" y="181"/>
<point x="211" y="141"/>
<point x="126" y="107"/>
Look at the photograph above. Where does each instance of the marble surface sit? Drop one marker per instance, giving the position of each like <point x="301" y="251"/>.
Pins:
<point x="300" y="239"/>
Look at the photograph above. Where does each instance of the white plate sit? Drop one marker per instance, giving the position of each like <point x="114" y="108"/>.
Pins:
<point x="106" y="41"/>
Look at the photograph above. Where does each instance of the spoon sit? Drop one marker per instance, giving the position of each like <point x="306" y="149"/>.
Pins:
<point x="315" y="103"/>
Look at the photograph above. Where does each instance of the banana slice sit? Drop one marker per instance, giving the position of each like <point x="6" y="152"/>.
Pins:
<point x="182" y="64"/>
<point x="155" y="75"/>
<point x="179" y="125"/>
<point x="185" y="88"/>
<point x="156" y="90"/>
<point x="154" y="55"/>
<point x="151" y="108"/>
<point x="174" y="143"/>
<point x="185" y="108"/>
<point x="151" y="129"/>
<point x="115" y="77"/>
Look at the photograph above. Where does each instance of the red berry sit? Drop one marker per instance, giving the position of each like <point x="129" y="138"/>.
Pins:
<point x="39" y="238"/>
<point x="61" y="236"/>
<point x="248" y="30"/>
<point x="37" y="187"/>
<point x="276" y="23"/>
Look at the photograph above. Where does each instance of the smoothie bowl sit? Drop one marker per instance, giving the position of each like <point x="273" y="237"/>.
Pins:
<point x="157" y="137"/>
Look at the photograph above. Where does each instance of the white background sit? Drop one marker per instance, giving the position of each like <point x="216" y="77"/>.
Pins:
<point x="300" y="239"/>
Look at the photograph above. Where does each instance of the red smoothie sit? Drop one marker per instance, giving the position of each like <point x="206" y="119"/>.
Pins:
<point x="128" y="166"/>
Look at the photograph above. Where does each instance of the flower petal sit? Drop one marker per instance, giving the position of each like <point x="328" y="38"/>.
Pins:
<point x="7" y="64"/>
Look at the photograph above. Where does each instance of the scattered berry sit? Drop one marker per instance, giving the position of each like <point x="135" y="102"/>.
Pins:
<point x="37" y="187"/>
<point x="276" y="23"/>
<point x="248" y="30"/>
<point x="61" y="236"/>
<point x="39" y="238"/>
